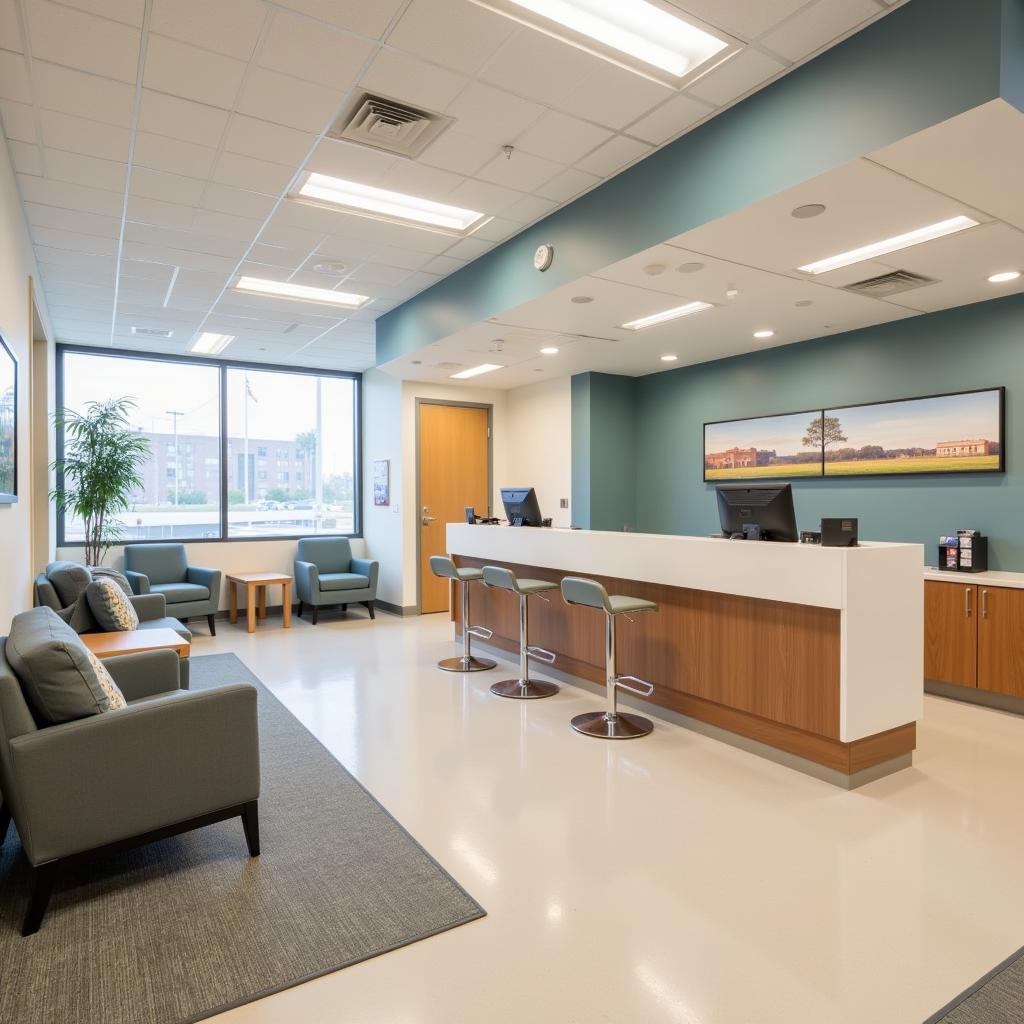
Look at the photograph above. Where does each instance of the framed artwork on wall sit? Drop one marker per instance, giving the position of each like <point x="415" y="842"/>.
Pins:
<point x="8" y="424"/>
<point x="766" y="447"/>
<point x="382" y="482"/>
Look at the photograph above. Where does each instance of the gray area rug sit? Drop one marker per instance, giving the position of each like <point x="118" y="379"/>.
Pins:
<point x="997" y="998"/>
<point x="185" y="928"/>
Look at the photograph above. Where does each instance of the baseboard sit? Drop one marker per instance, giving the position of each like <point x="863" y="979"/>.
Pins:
<point x="972" y="695"/>
<point x="397" y="609"/>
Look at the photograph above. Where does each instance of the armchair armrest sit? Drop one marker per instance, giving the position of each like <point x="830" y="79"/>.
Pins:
<point x="139" y="581"/>
<point x="307" y="580"/>
<point x="127" y="772"/>
<point x="149" y="606"/>
<point x="209" y="578"/>
<point x="146" y="673"/>
<point x="367" y="567"/>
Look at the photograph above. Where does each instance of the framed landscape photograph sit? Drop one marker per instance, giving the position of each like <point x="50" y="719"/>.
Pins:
<point x="8" y="425"/>
<point x="763" y="448"/>
<point x="382" y="482"/>
<point x="957" y="433"/>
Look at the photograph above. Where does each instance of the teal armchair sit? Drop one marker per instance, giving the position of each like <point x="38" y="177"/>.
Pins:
<point x="327" y="575"/>
<point x="163" y="569"/>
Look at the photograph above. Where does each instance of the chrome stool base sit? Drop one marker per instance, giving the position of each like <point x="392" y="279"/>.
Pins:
<point x="517" y="689"/>
<point x="619" y="726"/>
<point x="464" y="664"/>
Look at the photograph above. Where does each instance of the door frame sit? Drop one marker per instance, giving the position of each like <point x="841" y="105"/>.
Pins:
<point x="420" y="402"/>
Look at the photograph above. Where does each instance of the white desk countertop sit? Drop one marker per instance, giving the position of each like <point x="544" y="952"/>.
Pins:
<point x="993" y="577"/>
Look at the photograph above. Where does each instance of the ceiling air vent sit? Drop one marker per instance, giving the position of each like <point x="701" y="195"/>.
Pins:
<point x="152" y="332"/>
<point x="448" y="366"/>
<point x="889" y="284"/>
<point x="386" y="124"/>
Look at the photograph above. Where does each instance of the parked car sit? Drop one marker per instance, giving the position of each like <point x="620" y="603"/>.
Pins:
<point x="267" y="506"/>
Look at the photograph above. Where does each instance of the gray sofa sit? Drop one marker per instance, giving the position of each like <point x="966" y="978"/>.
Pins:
<point x="163" y="569"/>
<point x="326" y="575"/>
<point x="170" y="761"/>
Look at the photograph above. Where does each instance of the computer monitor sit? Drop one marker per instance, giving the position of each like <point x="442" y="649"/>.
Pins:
<point x="521" y="508"/>
<point x="757" y="512"/>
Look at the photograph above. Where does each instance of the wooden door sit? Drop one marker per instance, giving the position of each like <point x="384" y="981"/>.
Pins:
<point x="1001" y="640"/>
<point x="454" y="471"/>
<point x="951" y="632"/>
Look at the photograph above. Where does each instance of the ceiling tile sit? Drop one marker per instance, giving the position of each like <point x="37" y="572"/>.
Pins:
<point x="498" y="229"/>
<point x="562" y="138"/>
<point x="63" y="35"/>
<point x="154" y="211"/>
<point x="817" y="26"/>
<point x="78" y="135"/>
<point x="492" y="114"/>
<point x="128" y="11"/>
<point x="413" y="81"/>
<point x="612" y="96"/>
<point x="456" y="151"/>
<point x="85" y="170"/>
<point x="182" y="70"/>
<point x="237" y="201"/>
<point x="368" y="17"/>
<point x="10" y="30"/>
<point x="745" y="18"/>
<point x="538" y="66"/>
<point x="416" y="179"/>
<point x="213" y="223"/>
<point x="171" y="188"/>
<point x="181" y="119"/>
<point x="349" y="161"/>
<point x="229" y="27"/>
<point x="72" y="220"/>
<point x="520" y="171"/>
<point x="14" y="83"/>
<point x="255" y="175"/>
<point x="460" y="36"/>
<point x="738" y="75"/>
<point x="18" y="121"/>
<point x="82" y="95"/>
<point x="164" y="154"/>
<point x="670" y="119"/>
<point x="394" y="257"/>
<point x="302" y="48"/>
<point x="443" y="265"/>
<point x="483" y="196"/>
<point x="251" y="137"/>
<point x="614" y="155"/>
<point x="567" y="185"/>
<point x="271" y="96"/>
<point x="529" y="209"/>
<point x="59" y="239"/>
<point x="25" y="157"/>
<point x="72" y="197"/>
<point x="278" y="257"/>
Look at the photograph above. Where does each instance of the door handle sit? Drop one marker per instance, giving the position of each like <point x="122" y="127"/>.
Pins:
<point x="967" y="602"/>
<point x="984" y="604"/>
<point x="427" y="520"/>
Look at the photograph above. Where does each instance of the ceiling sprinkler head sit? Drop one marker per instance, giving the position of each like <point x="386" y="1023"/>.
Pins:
<point x="507" y="150"/>
<point x="731" y="292"/>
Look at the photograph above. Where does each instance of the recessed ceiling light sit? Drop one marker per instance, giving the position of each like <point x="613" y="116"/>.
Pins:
<point x="210" y="344"/>
<point x="689" y="268"/>
<point x="642" y="37"/>
<point x="581" y="300"/>
<point x="887" y="245"/>
<point x="549" y="350"/>
<point x="1003" y="276"/>
<point x="764" y="334"/>
<point x="381" y="204"/>
<point x="669" y="358"/>
<point x="654" y="269"/>
<point x="665" y="315"/>
<point x="808" y="210"/>
<point x="803" y="303"/>
<point x="335" y="267"/>
<point x="475" y="371"/>
<point x="304" y="293"/>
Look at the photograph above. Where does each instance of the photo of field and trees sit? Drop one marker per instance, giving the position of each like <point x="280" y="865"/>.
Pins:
<point x="942" y="434"/>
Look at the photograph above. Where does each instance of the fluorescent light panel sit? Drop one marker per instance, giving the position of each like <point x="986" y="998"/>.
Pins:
<point x="1003" y="276"/>
<point x="475" y="371"/>
<point x="381" y="204"/>
<point x="642" y="37"/>
<point x="209" y="344"/>
<point x="887" y="245"/>
<point x="302" y="292"/>
<point x="665" y="315"/>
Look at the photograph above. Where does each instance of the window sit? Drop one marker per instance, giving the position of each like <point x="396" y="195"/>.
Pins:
<point x="308" y="418"/>
<point x="314" y="414"/>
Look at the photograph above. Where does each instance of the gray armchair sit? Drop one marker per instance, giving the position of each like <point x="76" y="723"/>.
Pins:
<point x="54" y="778"/>
<point x="164" y="569"/>
<point x="326" y="575"/>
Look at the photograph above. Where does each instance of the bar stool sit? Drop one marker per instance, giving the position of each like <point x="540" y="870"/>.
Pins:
<point x="523" y="688"/>
<point x="611" y="724"/>
<point x="442" y="565"/>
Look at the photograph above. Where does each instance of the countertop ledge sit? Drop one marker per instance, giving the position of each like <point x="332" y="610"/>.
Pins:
<point x="993" y="577"/>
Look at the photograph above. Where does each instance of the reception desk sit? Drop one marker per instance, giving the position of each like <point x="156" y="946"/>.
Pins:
<point x="806" y="654"/>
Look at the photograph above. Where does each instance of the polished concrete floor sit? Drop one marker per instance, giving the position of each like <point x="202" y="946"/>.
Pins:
<point x="672" y="879"/>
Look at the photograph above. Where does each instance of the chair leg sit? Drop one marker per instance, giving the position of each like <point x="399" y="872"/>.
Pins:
<point x="251" y="825"/>
<point x="299" y="612"/>
<point x="5" y="822"/>
<point x="369" y="606"/>
<point x="316" y="613"/>
<point x="344" y="609"/>
<point x="213" y="628"/>
<point x="39" y="899"/>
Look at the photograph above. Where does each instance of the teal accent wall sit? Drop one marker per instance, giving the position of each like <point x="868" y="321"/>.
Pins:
<point x="974" y="346"/>
<point x="920" y="65"/>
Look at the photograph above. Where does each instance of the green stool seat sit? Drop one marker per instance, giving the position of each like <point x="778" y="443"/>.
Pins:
<point x="444" y="567"/>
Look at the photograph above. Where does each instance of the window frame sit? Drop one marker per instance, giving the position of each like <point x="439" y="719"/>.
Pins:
<point x="223" y="365"/>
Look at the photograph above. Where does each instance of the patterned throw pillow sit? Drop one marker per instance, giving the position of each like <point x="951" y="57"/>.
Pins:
<point x="112" y="692"/>
<point x="111" y="607"/>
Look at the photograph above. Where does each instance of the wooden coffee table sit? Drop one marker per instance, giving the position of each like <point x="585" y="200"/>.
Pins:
<point x="256" y="584"/>
<point x="135" y="641"/>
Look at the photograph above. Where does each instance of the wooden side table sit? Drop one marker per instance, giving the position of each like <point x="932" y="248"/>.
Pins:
<point x="134" y="641"/>
<point x="256" y="584"/>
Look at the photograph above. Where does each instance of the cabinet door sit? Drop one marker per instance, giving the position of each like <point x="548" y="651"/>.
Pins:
<point x="951" y="633"/>
<point x="1001" y="640"/>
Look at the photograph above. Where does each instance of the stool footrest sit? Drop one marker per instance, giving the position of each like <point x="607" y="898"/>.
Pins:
<point x="641" y="687"/>
<point x="481" y="632"/>
<point x="540" y="654"/>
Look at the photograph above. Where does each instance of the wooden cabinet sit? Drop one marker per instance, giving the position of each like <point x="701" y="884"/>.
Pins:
<point x="974" y="636"/>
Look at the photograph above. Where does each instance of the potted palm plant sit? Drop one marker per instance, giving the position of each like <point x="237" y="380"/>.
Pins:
<point x="101" y="465"/>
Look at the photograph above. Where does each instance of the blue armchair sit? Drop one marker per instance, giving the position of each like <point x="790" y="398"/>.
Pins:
<point x="164" y="569"/>
<point x="326" y="574"/>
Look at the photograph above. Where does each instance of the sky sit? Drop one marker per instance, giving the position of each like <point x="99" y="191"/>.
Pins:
<point x="781" y="434"/>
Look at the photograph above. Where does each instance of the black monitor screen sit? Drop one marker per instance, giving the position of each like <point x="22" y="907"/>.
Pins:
<point x="764" y="512"/>
<point x="521" y="508"/>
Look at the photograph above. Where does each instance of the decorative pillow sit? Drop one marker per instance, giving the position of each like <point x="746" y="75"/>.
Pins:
<point x="55" y="669"/>
<point x="110" y="607"/>
<point x="115" y="698"/>
<point x="69" y="579"/>
<point x="105" y="572"/>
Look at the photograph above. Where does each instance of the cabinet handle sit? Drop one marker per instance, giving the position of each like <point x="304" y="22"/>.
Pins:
<point x="984" y="604"/>
<point x="967" y="602"/>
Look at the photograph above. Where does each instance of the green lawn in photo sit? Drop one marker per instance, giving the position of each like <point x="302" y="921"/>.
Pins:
<point x="765" y="472"/>
<point x="910" y="464"/>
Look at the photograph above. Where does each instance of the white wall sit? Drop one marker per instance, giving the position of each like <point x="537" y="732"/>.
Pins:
<point x="17" y="265"/>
